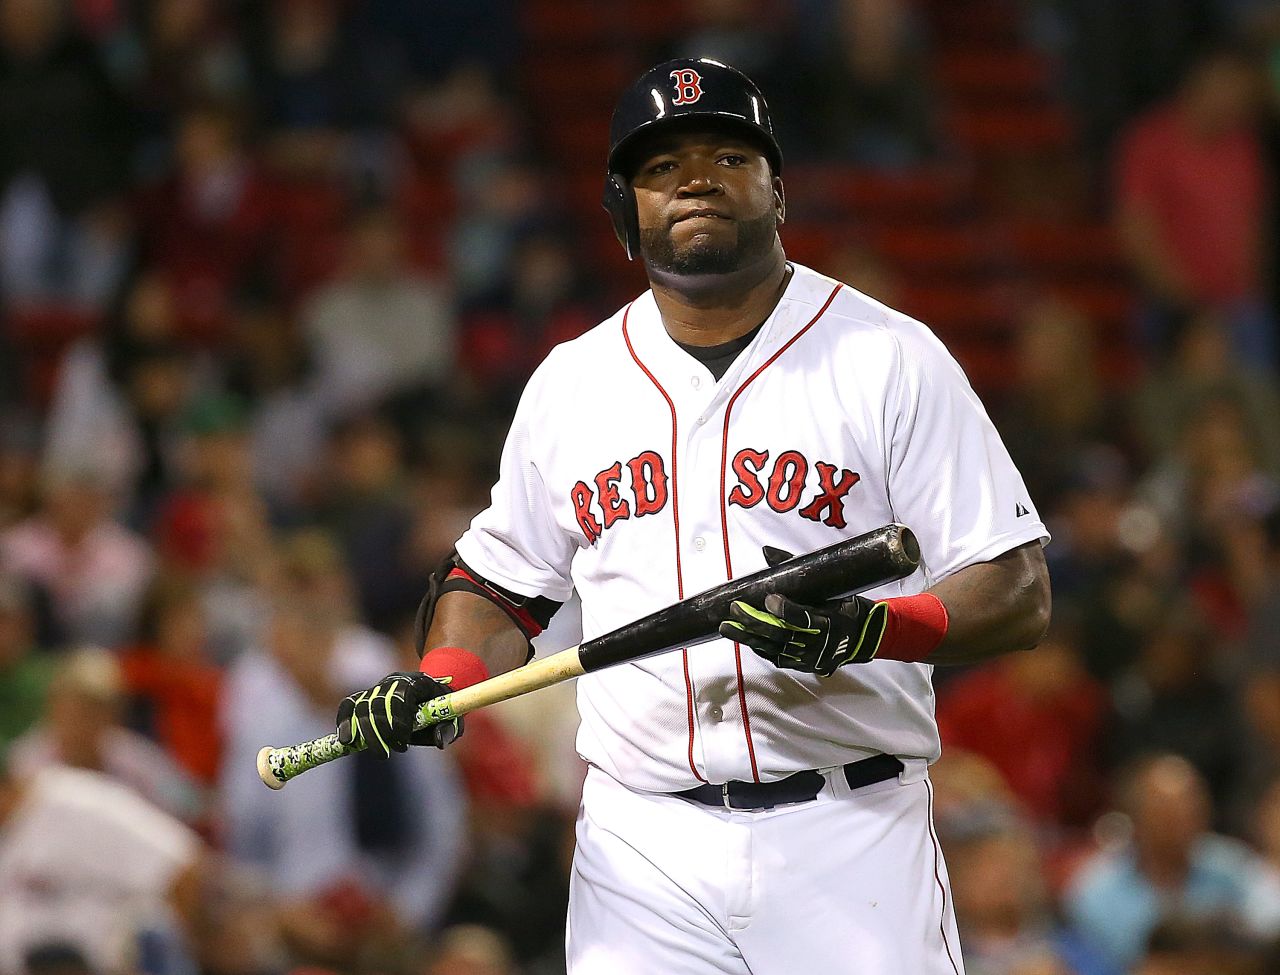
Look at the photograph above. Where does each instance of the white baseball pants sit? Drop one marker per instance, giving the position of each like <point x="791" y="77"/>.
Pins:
<point x="851" y="883"/>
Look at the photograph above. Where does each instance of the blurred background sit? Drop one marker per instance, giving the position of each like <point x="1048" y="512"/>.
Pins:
<point x="272" y="276"/>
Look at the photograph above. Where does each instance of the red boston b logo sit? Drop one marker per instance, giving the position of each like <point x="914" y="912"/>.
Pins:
<point x="688" y="86"/>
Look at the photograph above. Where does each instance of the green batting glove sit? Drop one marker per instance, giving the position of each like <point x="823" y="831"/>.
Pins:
<point x="810" y="639"/>
<point x="382" y="718"/>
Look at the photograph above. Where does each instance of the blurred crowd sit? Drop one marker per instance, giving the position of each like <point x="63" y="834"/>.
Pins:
<point x="272" y="276"/>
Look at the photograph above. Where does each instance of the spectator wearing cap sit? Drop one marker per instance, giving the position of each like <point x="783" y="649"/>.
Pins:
<point x="208" y="224"/>
<point x="863" y="70"/>
<point x="1088" y="552"/>
<point x="1172" y="866"/>
<point x="82" y="729"/>
<point x="1058" y="407"/>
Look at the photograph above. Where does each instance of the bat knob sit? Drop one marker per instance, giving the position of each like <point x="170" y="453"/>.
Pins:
<point x="264" y="769"/>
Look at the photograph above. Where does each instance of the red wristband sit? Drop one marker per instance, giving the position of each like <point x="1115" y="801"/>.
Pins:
<point x="454" y="666"/>
<point x="914" y="627"/>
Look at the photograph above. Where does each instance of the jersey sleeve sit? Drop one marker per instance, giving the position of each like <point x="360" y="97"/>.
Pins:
<point x="950" y="478"/>
<point x="516" y="541"/>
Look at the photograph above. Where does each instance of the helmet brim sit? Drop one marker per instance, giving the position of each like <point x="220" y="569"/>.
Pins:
<point x="630" y="152"/>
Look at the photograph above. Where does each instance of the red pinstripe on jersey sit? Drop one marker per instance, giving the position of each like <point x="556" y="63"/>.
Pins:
<point x="675" y="512"/>
<point x="724" y="517"/>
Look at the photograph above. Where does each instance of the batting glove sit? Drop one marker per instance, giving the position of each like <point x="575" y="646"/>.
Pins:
<point x="382" y="717"/>
<point x="811" y="639"/>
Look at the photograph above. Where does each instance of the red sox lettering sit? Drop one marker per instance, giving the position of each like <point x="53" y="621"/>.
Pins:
<point x="602" y="501"/>
<point x="784" y="487"/>
<point x="648" y="494"/>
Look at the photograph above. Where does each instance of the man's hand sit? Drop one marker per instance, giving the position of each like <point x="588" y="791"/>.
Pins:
<point x="811" y="639"/>
<point x="383" y="716"/>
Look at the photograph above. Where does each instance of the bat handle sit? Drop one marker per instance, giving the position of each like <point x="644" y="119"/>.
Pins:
<point x="276" y="766"/>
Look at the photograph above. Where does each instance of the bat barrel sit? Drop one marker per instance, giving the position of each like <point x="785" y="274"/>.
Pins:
<point x="854" y="564"/>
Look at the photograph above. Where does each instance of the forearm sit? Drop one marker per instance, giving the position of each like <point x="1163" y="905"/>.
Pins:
<point x="477" y="625"/>
<point x="994" y="607"/>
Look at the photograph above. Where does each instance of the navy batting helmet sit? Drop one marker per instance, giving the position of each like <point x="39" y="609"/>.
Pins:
<point x="688" y="91"/>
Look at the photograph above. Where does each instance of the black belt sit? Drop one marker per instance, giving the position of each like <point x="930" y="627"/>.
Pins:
<point x="800" y="787"/>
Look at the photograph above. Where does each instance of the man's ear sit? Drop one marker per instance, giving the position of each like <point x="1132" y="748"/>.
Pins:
<point x="779" y="199"/>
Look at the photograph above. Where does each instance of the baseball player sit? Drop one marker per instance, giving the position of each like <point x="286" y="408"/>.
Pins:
<point x="758" y="805"/>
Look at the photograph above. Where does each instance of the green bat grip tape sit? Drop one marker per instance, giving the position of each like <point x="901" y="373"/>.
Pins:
<point x="276" y="766"/>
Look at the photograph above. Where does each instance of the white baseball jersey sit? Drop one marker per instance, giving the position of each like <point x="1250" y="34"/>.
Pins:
<point x="635" y="477"/>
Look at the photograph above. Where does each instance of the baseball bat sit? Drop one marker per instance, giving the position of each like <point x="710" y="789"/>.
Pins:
<point x="848" y="566"/>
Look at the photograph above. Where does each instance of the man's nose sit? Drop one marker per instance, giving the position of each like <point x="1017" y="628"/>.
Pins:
<point x="700" y="182"/>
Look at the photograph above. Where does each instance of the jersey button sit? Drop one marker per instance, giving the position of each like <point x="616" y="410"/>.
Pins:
<point x="699" y="543"/>
<point x="715" y="712"/>
<point x="695" y="381"/>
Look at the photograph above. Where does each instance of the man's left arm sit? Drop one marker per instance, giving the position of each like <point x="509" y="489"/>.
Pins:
<point x="994" y="607"/>
<point x="950" y="478"/>
<point x="980" y="611"/>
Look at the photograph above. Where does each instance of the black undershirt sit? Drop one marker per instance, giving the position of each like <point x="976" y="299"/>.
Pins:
<point x="718" y="358"/>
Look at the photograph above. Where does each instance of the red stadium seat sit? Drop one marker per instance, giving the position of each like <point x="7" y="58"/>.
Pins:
<point x="1007" y="75"/>
<point x="1012" y="129"/>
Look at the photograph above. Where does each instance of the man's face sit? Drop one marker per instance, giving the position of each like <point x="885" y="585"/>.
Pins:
<point x="707" y="203"/>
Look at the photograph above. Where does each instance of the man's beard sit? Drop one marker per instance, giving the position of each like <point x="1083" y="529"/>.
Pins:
<point x="705" y="256"/>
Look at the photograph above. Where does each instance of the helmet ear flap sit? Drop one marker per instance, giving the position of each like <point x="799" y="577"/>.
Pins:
<point x="620" y="202"/>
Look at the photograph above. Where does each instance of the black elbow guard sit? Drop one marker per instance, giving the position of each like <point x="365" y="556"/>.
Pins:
<point x="530" y="614"/>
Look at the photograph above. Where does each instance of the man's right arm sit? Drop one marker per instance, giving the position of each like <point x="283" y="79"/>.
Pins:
<point x="479" y="626"/>
<point x="470" y="638"/>
<point x="485" y="603"/>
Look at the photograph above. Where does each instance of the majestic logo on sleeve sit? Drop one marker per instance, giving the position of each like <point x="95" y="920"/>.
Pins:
<point x="785" y="484"/>
<point x="688" y="86"/>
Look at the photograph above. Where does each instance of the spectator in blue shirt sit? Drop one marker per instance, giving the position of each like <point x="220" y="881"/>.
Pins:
<point x="1171" y="866"/>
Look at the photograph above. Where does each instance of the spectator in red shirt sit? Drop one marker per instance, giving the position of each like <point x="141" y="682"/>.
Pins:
<point x="208" y="225"/>
<point x="1192" y="202"/>
<point x="1036" y="718"/>
<point x="174" y="690"/>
